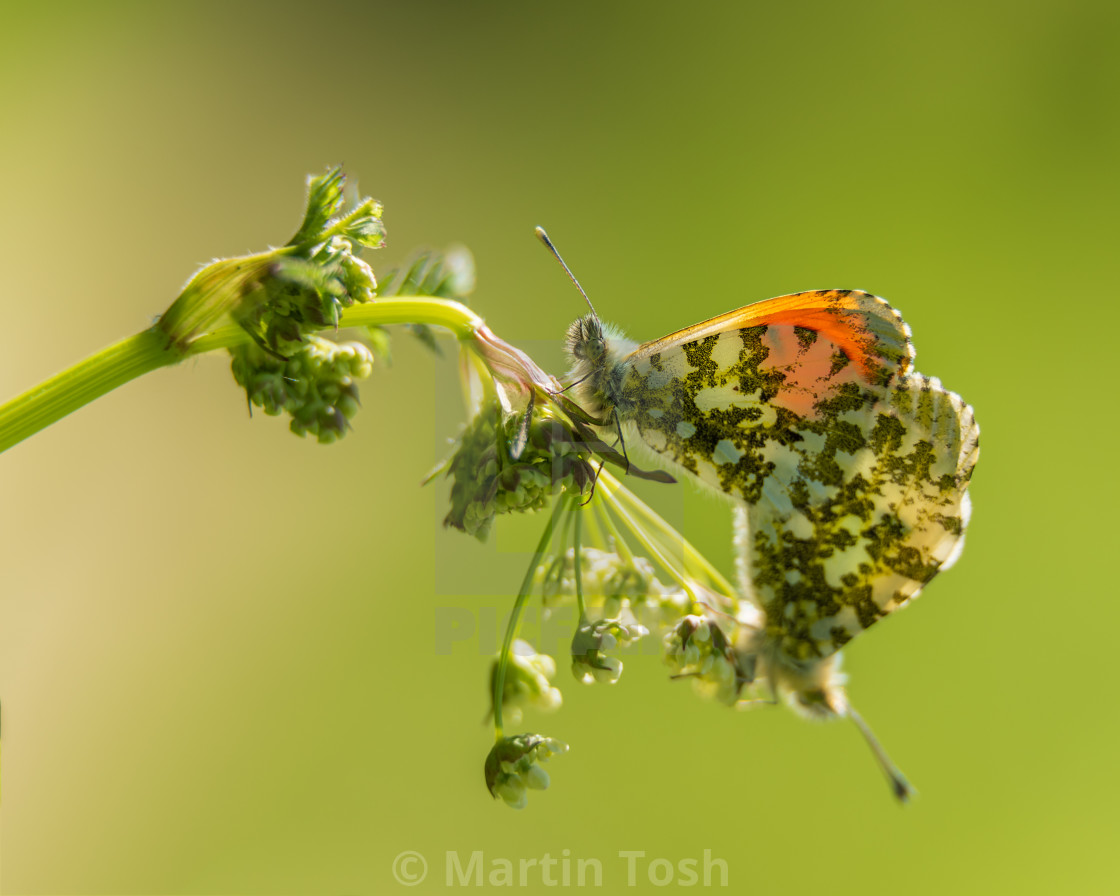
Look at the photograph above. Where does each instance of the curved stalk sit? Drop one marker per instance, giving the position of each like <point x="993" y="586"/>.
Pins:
<point x="515" y="614"/>
<point x="100" y="373"/>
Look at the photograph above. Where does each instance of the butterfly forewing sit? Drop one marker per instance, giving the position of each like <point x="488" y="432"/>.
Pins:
<point x="864" y="327"/>
<point x="724" y="400"/>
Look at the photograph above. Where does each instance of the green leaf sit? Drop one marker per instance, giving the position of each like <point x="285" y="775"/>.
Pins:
<point x="324" y="200"/>
<point x="427" y="337"/>
<point x="310" y="275"/>
<point x="380" y="342"/>
<point x="364" y="225"/>
<point x="431" y="273"/>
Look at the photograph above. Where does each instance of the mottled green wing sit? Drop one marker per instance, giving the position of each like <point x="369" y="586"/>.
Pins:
<point x="718" y="399"/>
<point x="853" y="469"/>
<point x="832" y="554"/>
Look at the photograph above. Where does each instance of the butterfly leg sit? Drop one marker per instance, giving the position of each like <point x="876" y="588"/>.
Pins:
<point x="594" y="479"/>
<point x="621" y="440"/>
<point x="571" y="385"/>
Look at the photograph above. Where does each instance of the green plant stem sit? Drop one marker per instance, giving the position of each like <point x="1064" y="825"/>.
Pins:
<point x="610" y="498"/>
<point x="453" y="316"/>
<point x="576" y="564"/>
<point x="515" y="614"/>
<point x="77" y="386"/>
<point x="691" y="558"/>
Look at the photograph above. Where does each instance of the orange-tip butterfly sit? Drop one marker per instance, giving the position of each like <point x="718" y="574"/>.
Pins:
<point x="848" y="469"/>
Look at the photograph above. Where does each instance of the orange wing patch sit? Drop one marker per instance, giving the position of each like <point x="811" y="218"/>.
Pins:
<point x="867" y="329"/>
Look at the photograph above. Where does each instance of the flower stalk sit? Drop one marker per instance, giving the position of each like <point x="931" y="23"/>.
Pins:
<point x="515" y="618"/>
<point x="149" y="350"/>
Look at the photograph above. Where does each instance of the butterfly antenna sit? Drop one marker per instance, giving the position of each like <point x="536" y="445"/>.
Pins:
<point x="899" y="785"/>
<point x="543" y="237"/>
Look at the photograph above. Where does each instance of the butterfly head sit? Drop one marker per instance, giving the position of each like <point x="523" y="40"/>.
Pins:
<point x="586" y="341"/>
<point x="598" y="370"/>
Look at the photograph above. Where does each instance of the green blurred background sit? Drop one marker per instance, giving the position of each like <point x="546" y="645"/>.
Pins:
<point x="220" y="659"/>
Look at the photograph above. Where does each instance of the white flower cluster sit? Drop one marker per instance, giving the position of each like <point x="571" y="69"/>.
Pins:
<point x="592" y="640"/>
<point x="528" y="682"/>
<point x="613" y="585"/>
<point x="697" y="648"/>
<point x="512" y="768"/>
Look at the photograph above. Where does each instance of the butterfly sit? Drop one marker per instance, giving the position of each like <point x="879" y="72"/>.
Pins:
<point x="848" y="470"/>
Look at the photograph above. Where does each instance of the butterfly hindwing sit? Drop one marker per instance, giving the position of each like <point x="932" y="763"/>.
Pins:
<point x="832" y="561"/>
